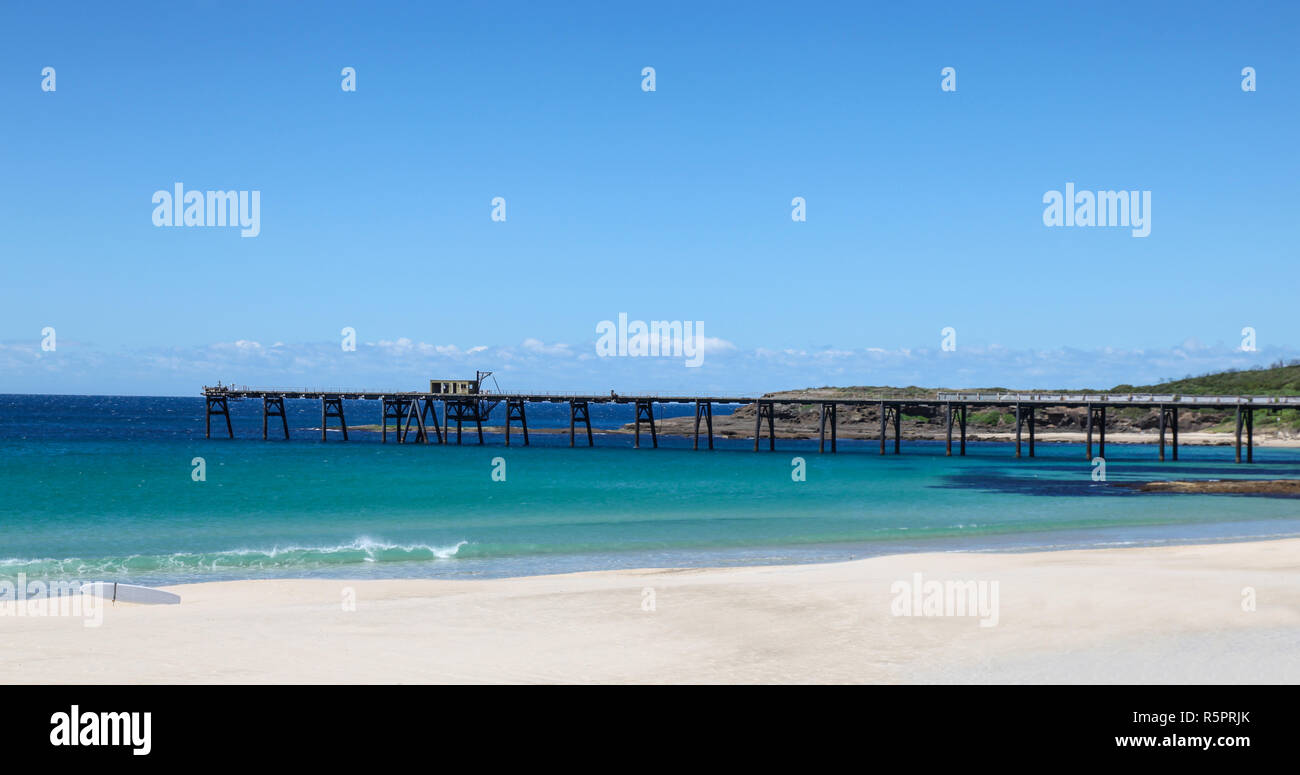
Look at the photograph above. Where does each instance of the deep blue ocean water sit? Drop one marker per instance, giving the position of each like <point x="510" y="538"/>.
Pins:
<point x="101" y="488"/>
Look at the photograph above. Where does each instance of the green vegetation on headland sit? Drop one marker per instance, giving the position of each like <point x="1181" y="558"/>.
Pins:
<point x="1266" y="421"/>
<point x="1276" y="380"/>
<point x="991" y="417"/>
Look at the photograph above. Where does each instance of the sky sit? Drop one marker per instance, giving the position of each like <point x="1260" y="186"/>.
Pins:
<point x="924" y="208"/>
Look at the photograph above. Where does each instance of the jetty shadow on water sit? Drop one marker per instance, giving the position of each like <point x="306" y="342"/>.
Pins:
<point x="1020" y="484"/>
<point x="1065" y="479"/>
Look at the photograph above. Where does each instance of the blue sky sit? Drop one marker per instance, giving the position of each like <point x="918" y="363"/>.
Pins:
<point x="924" y="208"/>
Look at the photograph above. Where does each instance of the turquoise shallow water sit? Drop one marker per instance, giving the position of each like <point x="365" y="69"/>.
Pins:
<point x="109" y="495"/>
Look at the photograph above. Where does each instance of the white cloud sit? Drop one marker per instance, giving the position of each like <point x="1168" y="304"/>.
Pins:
<point x="540" y="347"/>
<point x="536" y="365"/>
<point x="712" y="344"/>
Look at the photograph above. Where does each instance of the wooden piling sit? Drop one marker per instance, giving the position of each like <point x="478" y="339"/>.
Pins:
<point x="430" y="412"/>
<point x="765" y="412"/>
<point x="1032" y="411"/>
<point x="1101" y="436"/>
<point x="1175" y="421"/>
<point x="1088" y="450"/>
<point x="1238" y="442"/>
<point x="884" y="423"/>
<point x="419" y="421"/>
<point x="1019" y="422"/>
<point x="645" y="411"/>
<point x="219" y="405"/>
<point x="828" y="412"/>
<point x="947" y="447"/>
<point x="515" y="411"/>
<point x="703" y="409"/>
<point x="273" y="407"/>
<point x="1162" y="434"/>
<point x="1250" y="434"/>
<point x="332" y="407"/>
<point x="961" y="414"/>
<point x="580" y="410"/>
<point x="898" y="429"/>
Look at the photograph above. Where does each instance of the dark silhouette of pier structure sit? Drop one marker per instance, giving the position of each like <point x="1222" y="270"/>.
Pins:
<point x="417" y="412"/>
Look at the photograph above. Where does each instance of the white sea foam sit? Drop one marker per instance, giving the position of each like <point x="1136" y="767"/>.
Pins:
<point x="288" y="558"/>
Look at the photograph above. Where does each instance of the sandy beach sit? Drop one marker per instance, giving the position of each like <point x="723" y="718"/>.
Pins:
<point x="1186" y="438"/>
<point x="1168" y="614"/>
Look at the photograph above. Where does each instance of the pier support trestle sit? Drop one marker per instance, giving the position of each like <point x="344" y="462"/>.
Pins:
<point x="1246" y="417"/>
<point x="703" y="409"/>
<point x="1097" y="417"/>
<point x="462" y="410"/>
<point x="765" y="412"/>
<point x="392" y="409"/>
<point x="515" y="411"/>
<point x="1025" y="417"/>
<point x="828" y="413"/>
<point x="404" y="411"/>
<point x="959" y="413"/>
<point x="273" y="406"/>
<point x="218" y="405"/>
<point x="645" y="411"/>
<point x="418" y="412"/>
<point x="580" y="412"/>
<point x="1168" y="420"/>
<point x="332" y="406"/>
<point x="891" y="413"/>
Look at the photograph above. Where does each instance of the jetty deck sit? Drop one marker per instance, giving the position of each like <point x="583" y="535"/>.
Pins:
<point x="414" y="412"/>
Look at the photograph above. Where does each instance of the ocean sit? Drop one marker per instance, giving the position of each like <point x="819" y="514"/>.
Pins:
<point x="103" y="488"/>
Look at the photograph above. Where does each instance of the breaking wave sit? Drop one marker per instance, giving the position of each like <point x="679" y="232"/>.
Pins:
<point x="361" y="552"/>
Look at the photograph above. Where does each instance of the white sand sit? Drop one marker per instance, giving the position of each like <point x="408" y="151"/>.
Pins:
<point x="1171" y="614"/>
<point x="1185" y="439"/>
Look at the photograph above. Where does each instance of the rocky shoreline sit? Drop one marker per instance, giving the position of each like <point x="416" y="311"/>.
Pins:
<point x="1225" y="486"/>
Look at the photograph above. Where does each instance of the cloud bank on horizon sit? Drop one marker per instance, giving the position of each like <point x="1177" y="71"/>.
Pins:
<point x="537" y="366"/>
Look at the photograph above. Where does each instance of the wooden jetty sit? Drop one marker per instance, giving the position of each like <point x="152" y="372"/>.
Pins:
<point x="418" y="412"/>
